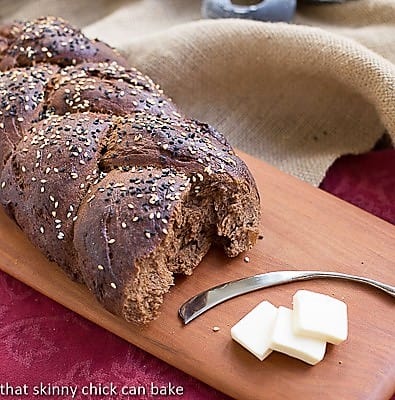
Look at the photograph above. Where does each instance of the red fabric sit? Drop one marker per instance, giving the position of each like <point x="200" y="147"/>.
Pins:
<point x="42" y="341"/>
<point x="367" y="181"/>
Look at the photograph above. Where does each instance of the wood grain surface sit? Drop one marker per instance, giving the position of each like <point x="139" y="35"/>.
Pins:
<point x="303" y="228"/>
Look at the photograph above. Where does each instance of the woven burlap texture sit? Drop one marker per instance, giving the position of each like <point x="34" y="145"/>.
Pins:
<point x="295" y="95"/>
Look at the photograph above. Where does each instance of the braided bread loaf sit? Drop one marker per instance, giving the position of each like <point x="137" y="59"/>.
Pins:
<point x="104" y="174"/>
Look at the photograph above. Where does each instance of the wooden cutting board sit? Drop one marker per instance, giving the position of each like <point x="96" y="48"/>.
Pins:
<point x="304" y="228"/>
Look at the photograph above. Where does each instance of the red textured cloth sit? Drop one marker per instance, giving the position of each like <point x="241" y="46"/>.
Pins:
<point x="42" y="341"/>
<point x="367" y="181"/>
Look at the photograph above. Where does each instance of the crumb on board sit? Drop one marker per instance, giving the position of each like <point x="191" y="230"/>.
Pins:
<point x="216" y="328"/>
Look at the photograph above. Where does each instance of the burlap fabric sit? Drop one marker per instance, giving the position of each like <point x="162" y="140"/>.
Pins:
<point x="295" y="95"/>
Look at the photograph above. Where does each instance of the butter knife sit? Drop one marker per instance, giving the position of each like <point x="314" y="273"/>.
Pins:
<point x="208" y="299"/>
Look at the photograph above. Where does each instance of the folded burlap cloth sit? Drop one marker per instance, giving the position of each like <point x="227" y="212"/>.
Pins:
<point x="295" y="95"/>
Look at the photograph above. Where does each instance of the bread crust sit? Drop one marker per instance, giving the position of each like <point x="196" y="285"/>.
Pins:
<point x="106" y="176"/>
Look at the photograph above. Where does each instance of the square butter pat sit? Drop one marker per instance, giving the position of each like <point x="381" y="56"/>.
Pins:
<point x="320" y="316"/>
<point x="285" y="341"/>
<point x="254" y="330"/>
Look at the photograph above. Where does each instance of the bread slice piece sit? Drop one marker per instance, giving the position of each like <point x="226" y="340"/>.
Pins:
<point x="159" y="209"/>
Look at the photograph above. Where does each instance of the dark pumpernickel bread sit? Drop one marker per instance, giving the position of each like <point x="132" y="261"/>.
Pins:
<point x="104" y="174"/>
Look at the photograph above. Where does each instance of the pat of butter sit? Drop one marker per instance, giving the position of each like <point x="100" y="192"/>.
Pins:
<point x="285" y="341"/>
<point x="254" y="330"/>
<point x="320" y="316"/>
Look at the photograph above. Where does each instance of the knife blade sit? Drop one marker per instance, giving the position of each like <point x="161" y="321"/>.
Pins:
<point x="208" y="299"/>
